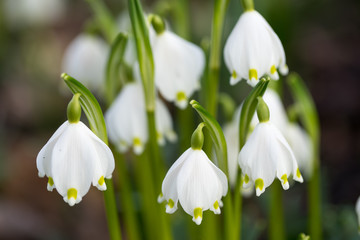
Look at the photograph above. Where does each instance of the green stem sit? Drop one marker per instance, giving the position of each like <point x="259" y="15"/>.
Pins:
<point x="276" y="225"/>
<point x="248" y="5"/>
<point x="111" y="211"/>
<point x="182" y="18"/>
<point x="186" y="127"/>
<point x="315" y="197"/>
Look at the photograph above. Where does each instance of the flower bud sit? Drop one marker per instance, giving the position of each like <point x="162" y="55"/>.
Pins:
<point x="74" y="109"/>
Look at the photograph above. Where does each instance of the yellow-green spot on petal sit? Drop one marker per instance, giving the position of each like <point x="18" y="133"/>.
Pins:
<point x="216" y="205"/>
<point x="171" y="203"/>
<point x="161" y="195"/>
<point x="158" y="135"/>
<point x="197" y="213"/>
<point x="253" y="74"/>
<point x="273" y="69"/>
<point x="181" y="96"/>
<point x="137" y="141"/>
<point x="101" y="180"/>
<point x="234" y="74"/>
<point x="284" y="178"/>
<point x="51" y="181"/>
<point x="247" y="179"/>
<point x="298" y="174"/>
<point x="123" y="143"/>
<point x="72" y="193"/>
<point x="259" y="183"/>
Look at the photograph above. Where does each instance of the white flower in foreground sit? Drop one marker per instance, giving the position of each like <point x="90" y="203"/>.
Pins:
<point x="179" y="65"/>
<point x="72" y="159"/>
<point x="196" y="182"/>
<point x="85" y="59"/>
<point x="127" y="121"/>
<point x="266" y="155"/>
<point x="357" y="209"/>
<point x="253" y="49"/>
<point x="300" y="143"/>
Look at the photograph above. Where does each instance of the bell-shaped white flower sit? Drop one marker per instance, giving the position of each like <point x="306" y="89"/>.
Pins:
<point x="179" y="65"/>
<point x="253" y="49"/>
<point x="85" y="59"/>
<point x="266" y="155"/>
<point x="127" y="121"/>
<point x="357" y="209"/>
<point x="72" y="159"/>
<point x="196" y="183"/>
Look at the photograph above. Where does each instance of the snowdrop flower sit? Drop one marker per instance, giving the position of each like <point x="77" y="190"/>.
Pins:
<point x="253" y="49"/>
<point x="127" y="121"/>
<point x="194" y="181"/>
<point x="300" y="143"/>
<point x="75" y="157"/>
<point x="23" y="13"/>
<point x="357" y="209"/>
<point x="85" y="59"/>
<point x="179" y="65"/>
<point x="266" y="155"/>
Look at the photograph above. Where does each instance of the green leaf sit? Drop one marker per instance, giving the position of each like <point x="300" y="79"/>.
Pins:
<point x="145" y="57"/>
<point x="305" y="105"/>
<point x="114" y="64"/>
<point x="89" y="105"/>
<point x="249" y="107"/>
<point x="216" y="134"/>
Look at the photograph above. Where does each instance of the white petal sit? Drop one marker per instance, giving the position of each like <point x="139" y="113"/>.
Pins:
<point x="164" y="125"/>
<point x="357" y="209"/>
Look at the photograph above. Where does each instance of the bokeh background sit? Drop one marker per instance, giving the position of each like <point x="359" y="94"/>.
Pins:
<point x="321" y="40"/>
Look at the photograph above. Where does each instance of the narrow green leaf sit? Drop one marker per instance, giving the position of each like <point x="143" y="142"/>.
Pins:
<point x="89" y="105"/>
<point x="144" y="53"/>
<point x="305" y="105"/>
<point x="249" y="107"/>
<point x="216" y="134"/>
<point x="114" y="64"/>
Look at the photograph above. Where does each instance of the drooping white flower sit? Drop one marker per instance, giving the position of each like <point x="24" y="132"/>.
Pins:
<point x="196" y="182"/>
<point x="253" y="49"/>
<point x="266" y="155"/>
<point x="127" y="121"/>
<point x="300" y="143"/>
<point x="85" y="59"/>
<point x="357" y="209"/>
<point x="29" y="13"/>
<point x="72" y="159"/>
<point x="179" y="65"/>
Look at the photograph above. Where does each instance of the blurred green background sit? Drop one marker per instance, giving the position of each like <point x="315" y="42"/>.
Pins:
<point x="321" y="40"/>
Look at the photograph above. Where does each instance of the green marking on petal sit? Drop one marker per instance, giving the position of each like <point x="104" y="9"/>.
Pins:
<point x="216" y="205"/>
<point x="298" y="174"/>
<point x="171" y="203"/>
<point x="197" y="213"/>
<point x="51" y="181"/>
<point x="72" y="193"/>
<point x="158" y="135"/>
<point x="137" y="141"/>
<point x="253" y="74"/>
<point x="247" y="179"/>
<point x="181" y="96"/>
<point x="273" y="69"/>
<point x="101" y="180"/>
<point x="284" y="178"/>
<point x="161" y="195"/>
<point x="234" y="74"/>
<point x="123" y="143"/>
<point x="259" y="183"/>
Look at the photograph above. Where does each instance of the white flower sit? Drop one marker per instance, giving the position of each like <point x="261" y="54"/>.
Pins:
<point x="72" y="159"/>
<point x="196" y="182"/>
<point x="179" y="65"/>
<point x="267" y="155"/>
<point x="300" y="143"/>
<point x="85" y="59"/>
<point x="357" y="209"/>
<point x="127" y="121"/>
<point x="253" y="49"/>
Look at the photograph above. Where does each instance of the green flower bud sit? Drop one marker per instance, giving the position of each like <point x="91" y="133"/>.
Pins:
<point x="158" y="24"/>
<point x="197" y="138"/>
<point x="262" y="110"/>
<point x="74" y="109"/>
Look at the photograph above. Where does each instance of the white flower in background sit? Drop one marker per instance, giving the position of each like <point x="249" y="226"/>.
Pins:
<point x="29" y="13"/>
<point x="194" y="181"/>
<point x="300" y="143"/>
<point x="85" y="59"/>
<point x="266" y="155"/>
<point x="127" y="121"/>
<point x="253" y="49"/>
<point x="357" y="209"/>
<point x="179" y="65"/>
<point x="72" y="159"/>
